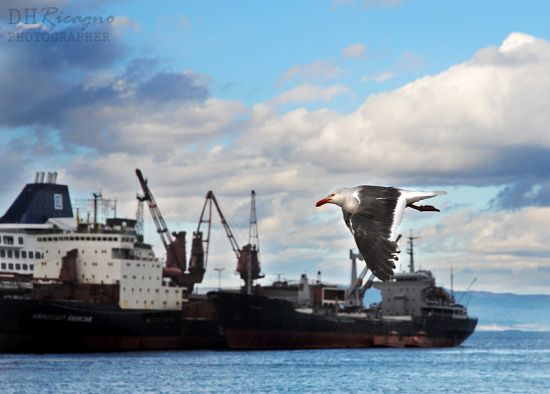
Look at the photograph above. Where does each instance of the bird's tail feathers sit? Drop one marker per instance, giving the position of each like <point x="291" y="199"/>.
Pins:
<point x="413" y="196"/>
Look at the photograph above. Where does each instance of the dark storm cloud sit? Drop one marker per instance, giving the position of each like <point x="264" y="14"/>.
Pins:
<point x="41" y="81"/>
<point x="524" y="161"/>
<point x="524" y="171"/>
<point x="167" y="86"/>
<point x="529" y="192"/>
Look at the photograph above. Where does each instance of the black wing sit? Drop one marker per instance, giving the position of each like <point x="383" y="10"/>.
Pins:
<point x="371" y="226"/>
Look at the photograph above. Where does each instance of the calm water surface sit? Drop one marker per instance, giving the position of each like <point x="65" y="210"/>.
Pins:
<point x="496" y="362"/>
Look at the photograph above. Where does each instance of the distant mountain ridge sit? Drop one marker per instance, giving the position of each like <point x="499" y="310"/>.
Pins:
<point x="508" y="311"/>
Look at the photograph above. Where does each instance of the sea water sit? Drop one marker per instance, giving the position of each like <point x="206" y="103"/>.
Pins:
<point x="488" y="362"/>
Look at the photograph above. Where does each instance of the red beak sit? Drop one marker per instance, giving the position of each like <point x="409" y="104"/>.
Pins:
<point x="323" y="201"/>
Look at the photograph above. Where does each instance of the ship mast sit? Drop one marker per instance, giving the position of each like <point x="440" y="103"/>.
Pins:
<point x="410" y="251"/>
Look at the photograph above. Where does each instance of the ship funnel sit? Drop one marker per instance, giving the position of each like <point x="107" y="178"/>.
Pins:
<point x="36" y="176"/>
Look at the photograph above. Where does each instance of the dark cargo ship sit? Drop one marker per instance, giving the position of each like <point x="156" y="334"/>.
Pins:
<point x="98" y="286"/>
<point x="414" y="312"/>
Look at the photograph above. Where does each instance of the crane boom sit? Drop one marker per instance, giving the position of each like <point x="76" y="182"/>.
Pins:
<point x="210" y="198"/>
<point x="253" y="238"/>
<point x="160" y="224"/>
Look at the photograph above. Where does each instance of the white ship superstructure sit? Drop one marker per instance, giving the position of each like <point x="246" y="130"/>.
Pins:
<point x="106" y="258"/>
<point x="41" y="207"/>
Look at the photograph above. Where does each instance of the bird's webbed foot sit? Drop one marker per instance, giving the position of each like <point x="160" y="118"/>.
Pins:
<point x="423" y="208"/>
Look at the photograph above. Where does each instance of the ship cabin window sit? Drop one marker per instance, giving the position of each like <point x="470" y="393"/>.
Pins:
<point x="2" y="253"/>
<point x="31" y="255"/>
<point x="18" y="266"/>
<point x="20" y="240"/>
<point x="71" y="238"/>
<point x="88" y="238"/>
<point x="23" y="254"/>
<point x="16" y="254"/>
<point x="3" y="266"/>
<point x="49" y="238"/>
<point x="120" y="253"/>
<point x="8" y="239"/>
<point x="10" y="254"/>
<point x="31" y="267"/>
<point x="25" y="267"/>
<point x="10" y="266"/>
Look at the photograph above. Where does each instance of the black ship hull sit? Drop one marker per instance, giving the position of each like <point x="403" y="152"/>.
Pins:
<point x="257" y="322"/>
<point x="32" y="326"/>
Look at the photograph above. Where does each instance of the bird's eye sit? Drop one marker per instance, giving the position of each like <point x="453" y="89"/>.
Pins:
<point x="332" y="195"/>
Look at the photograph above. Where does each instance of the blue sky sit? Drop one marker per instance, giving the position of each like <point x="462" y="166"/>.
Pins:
<point x="293" y="99"/>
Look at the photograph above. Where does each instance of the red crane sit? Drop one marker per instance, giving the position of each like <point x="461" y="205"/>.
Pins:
<point x="248" y="265"/>
<point x="175" y="247"/>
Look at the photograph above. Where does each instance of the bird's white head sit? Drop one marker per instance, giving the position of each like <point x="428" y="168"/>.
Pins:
<point x="336" y="197"/>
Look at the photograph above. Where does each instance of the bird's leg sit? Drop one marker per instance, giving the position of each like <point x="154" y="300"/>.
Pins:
<point x="423" y="208"/>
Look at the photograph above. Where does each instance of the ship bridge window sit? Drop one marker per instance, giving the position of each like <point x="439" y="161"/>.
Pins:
<point x="20" y="240"/>
<point x="10" y="254"/>
<point x="120" y="253"/>
<point x="18" y="266"/>
<point x="10" y="266"/>
<point x="3" y="266"/>
<point x="8" y="239"/>
<point x="24" y="254"/>
<point x="31" y="266"/>
<point x="25" y="267"/>
<point x="16" y="254"/>
<point x="2" y="253"/>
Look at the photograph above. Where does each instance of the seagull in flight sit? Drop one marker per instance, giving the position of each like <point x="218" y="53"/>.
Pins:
<point x="373" y="215"/>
